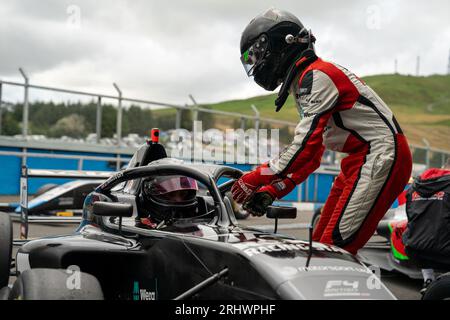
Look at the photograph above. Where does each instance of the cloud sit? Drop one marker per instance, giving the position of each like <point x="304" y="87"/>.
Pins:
<point x="165" y="50"/>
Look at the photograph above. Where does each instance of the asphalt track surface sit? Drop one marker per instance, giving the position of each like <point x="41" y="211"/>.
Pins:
<point x="401" y="286"/>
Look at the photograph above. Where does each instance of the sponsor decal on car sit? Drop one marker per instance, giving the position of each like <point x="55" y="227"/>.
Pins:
<point x="291" y="271"/>
<point x="115" y="177"/>
<point x="143" y="294"/>
<point x="336" y="288"/>
<point x="255" y="248"/>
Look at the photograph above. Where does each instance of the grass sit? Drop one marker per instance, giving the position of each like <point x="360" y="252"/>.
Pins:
<point x="421" y="105"/>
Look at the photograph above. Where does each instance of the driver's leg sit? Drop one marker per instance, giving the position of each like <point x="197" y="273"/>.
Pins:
<point x="373" y="182"/>
<point x="355" y="189"/>
<point x="393" y="186"/>
<point x="328" y="208"/>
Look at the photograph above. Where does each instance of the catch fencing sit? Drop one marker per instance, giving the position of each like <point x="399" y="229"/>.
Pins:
<point x="426" y="155"/>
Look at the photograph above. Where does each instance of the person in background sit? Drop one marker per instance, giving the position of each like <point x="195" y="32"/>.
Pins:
<point x="427" y="235"/>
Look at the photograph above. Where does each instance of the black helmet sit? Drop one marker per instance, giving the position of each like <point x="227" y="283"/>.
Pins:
<point x="171" y="197"/>
<point x="271" y="44"/>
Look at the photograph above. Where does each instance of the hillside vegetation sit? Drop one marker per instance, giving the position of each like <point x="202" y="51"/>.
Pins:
<point x="421" y="105"/>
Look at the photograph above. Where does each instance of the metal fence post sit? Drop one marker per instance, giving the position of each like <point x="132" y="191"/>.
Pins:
<point x="194" y="111"/>
<point x="118" y="161"/>
<point x="25" y="104"/>
<point x="333" y="157"/>
<point x="1" y="107"/>
<point x="427" y="152"/>
<point x="243" y="124"/>
<point x="80" y="164"/>
<point x="119" y="115"/>
<point x="24" y="156"/>
<point x="98" y="120"/>
<point x="257" y="117"/>
<point x="316" y="186"/>
<point x="178" y="119"/>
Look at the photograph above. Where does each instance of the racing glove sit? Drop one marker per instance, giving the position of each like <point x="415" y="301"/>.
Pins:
<point x="264" y="197"/>
<point x="246" y="185"/>
<point x="279" y="189"/>
<point x="258" y="203"/>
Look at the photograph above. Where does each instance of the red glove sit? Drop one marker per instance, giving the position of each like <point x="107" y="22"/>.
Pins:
<point x="279" y="189"/>
<point x="250" y="182"/>
<point x="258" y="203"/>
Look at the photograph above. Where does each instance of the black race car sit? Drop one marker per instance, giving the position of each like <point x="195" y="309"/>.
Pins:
<point x="207" y="256"/>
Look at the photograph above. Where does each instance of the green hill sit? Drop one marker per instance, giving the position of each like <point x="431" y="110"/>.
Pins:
<point x="421" y="105"/>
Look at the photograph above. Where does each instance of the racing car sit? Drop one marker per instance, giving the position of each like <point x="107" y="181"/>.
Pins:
<point x="200" y="257"/>
<point x="60" y="200"/>
<point x="66" y="200"/>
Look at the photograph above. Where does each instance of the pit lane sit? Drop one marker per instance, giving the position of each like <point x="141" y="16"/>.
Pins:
<point x="401" y="286"/>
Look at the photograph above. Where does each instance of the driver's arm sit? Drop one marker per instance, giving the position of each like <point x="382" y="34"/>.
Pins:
<point x="317" y="96"/>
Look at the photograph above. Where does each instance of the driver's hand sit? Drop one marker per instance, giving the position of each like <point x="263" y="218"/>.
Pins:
<point x="258" y="203"/>
<point x="246" y="185"/>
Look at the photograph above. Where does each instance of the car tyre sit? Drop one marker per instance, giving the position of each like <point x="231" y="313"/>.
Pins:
<point x="439" y="289"/>
<point x="315" y="218"/>
<point x="4" y="293"/>
<point x="5" y="248"/>
<point x="54" y="284"/>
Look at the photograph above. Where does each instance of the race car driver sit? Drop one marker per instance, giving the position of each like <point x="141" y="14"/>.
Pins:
<point x="338" y="111"/>
<point x="164" y="199"/>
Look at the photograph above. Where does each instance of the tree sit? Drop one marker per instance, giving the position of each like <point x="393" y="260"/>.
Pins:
<point x="71" y="125"/>
<point x="137" y="120"/>
<point x="10" y="126"/>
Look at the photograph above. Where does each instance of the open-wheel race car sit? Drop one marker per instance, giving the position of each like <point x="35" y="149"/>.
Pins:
<point x="206" y="255"/>
<point x="58" y="200"/>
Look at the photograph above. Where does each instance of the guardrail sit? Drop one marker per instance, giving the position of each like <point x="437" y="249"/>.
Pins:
<point x="429" y="153"/>
<point x="195" y="108"/>
<point x="81" y="158"/>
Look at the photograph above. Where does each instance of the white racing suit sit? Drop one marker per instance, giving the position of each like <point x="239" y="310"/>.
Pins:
<point x="341" y="113"/>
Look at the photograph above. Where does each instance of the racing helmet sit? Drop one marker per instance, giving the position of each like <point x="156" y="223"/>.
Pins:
<point x="270" y="44"/>
<point x="170" y="197"/>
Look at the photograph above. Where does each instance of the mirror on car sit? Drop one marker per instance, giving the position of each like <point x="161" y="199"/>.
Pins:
<point x="278" y="212"/>
<point x="112" y="209"/>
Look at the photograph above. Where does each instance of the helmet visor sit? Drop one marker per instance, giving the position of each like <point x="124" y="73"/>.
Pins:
<point x="164" y="185"/>
<point x="254" y="55"/>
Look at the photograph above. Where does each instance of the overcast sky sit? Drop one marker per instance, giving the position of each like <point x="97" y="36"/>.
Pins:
<point x="165" y="50"/>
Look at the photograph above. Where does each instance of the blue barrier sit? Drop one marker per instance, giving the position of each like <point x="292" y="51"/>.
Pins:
<point x="315" y="189"/>
<point x="10" y="167"/>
